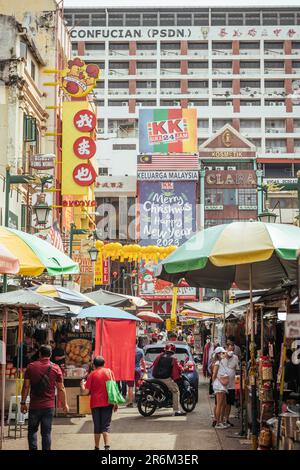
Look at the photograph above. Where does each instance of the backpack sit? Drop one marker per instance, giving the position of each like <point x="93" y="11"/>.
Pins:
<point x="41" y="386"/>
<point x="163" y="369"/>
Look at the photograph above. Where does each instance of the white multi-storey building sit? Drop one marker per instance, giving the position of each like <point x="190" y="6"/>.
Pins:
<point x="235" y="65"/>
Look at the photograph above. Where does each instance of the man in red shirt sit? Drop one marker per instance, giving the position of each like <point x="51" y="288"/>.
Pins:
<point x="41" y="378"/>
<point x="95" y="386"/>
<point x="167" y="370"/>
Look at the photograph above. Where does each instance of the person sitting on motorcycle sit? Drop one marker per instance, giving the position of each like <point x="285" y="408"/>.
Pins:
<point x="167" y="370"/>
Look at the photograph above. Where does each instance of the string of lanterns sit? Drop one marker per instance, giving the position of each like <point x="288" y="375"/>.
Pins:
<point x="134" y="252"/>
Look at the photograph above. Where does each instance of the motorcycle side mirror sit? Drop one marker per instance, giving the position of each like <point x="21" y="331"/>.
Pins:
<point x="197" y="359"/>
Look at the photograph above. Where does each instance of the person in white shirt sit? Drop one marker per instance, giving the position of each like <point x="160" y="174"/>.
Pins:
<point x="219" y="381"/>
<point x="231" y="363"/>
<point x="237" y="350"/>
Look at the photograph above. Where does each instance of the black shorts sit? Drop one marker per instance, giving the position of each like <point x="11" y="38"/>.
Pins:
<point x="102" y="418"/>
<point x="230" y="397"/>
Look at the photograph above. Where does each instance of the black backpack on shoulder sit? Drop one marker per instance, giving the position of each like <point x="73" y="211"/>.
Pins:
<point x="163" y="369"/>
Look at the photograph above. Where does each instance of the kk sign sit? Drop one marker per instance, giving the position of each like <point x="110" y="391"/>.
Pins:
<point x="167" y="130"/>
<point x="78" y="149"/>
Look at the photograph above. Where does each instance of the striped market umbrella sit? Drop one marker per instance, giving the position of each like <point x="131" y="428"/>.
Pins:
<point x="9" y="264"/>
<point x="36" y="255"/>
<point x="222" y="255"/>
<point x="149" y="317"/>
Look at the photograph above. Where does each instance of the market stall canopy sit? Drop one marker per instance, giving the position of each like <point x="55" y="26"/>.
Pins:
<point x="104" y="297"/>
<point x="9" y="264"/>
<point x="29" y="300"/>
<point x="214" y="306"/>
<point x="105" y="311"/>
<point x="149" y="317"/>
<point x="36" y="255"/>
<point x="64" y="295"/>
<point x="221" y="255"/>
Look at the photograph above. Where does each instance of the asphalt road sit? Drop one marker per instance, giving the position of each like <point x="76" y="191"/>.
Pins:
<point x="162" y="431"/>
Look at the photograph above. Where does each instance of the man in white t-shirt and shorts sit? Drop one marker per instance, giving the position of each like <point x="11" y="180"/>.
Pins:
<point x="231" y="363"/>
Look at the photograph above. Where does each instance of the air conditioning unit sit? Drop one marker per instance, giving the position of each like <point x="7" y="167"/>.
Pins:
<point x="139" y="105"/>
<point x="219" y="168"/>
<point x="176" y="103"/>
<point x="124" y="103"/>
<point x="208" y="168"/>
<point x="228" y="103"/>
<point x="231" y="168"/>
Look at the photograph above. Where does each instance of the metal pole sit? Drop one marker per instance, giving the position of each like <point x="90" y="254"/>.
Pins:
<point x="72" y="226"/>
<point x="3" y="378"/>
<point x="253" y="370"/>
<point x="7" y="191"/>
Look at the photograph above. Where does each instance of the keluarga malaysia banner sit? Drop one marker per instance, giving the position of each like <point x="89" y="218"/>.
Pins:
<point x="168" y="130"/>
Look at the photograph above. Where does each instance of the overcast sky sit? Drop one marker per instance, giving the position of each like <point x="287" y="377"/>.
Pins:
<point x="179" y="3"/>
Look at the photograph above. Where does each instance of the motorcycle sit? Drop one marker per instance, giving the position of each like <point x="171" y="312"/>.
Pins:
<point x="154" y="394"/>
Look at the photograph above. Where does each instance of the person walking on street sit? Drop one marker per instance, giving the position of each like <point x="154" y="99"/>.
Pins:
<point x="231" y="362"/>
<point x="41" y="378"/>
<point x="102" y="410"/>
<point x="219" y="382"/>
<point x="139" y="365"/>
<point x="167" y="370"/>
<point x="237" y="350"/>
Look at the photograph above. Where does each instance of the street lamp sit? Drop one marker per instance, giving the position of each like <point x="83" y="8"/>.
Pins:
<point x="41" y="211"/>
<point x="93" y="252"/>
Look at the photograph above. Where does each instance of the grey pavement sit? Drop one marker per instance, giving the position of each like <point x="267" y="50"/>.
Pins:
<point x="162" y="431"/>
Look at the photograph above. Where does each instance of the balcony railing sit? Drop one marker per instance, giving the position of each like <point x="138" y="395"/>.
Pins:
<point x="146" y="72"/>
<point x="170" y="91"/>
<point x="118" y="72"/>
<point x="146" y="53"/>
<point x="277" y="150"/>
<point x="277" y="130"/>
<point x="119" y="53"/>
<point x="199" y="53"/>
<point x="118" y="91"/>
<point x="146" y="91"/>
<point x="170" y="71"/>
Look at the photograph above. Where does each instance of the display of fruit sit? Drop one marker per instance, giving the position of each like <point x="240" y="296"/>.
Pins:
<point x="78" y="351"/>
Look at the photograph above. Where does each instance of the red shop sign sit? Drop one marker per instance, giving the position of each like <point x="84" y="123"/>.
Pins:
<point x="84" y="174"/>
<point x="85" y="121"/>
<point x="84" y="147"/>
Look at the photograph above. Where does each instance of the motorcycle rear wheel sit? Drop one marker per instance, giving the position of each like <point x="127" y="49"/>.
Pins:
<point x="188" y="401"/>
<point x="146" y="407"/>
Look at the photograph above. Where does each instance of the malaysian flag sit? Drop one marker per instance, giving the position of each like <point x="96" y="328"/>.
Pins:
<point x="55" y="237"/>
<point x="167" y="162"/>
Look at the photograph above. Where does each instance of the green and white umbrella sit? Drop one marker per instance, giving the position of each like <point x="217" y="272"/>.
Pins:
<point x="219" y="256"/>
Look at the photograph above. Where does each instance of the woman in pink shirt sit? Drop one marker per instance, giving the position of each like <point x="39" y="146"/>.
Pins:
<point x="95" y="386"/>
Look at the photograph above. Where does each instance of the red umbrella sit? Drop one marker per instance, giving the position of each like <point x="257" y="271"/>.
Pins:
<point x="149" y="317"/>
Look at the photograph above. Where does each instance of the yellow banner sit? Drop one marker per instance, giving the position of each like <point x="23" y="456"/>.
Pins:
<point x="99" y="270"/>
<point x="69" y="160"/>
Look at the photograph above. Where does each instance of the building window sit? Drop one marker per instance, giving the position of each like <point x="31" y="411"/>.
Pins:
<point x="247" y="197"/>
<point x="246" y="45"/>
<point x="103" y="171"/>
<point x="218" y="19"/>
<point x="287" y="18"/>
<point x="99" y="103"/>
<point x="235" y="19"/>
<point x="146" y="46"/>
<point x="167" y="19"/>
<point x="23" y="50"/>
<point x="94" y="46"/>
<point x="283" y="203"/>
<point x="133" y="19"/>
<point x="98" y="20"/>
<point x="184" y="19"/>
<point x="82" y="20"/>
<point x="201" y="19"/>
<point x="117" y="103"/>
<point x="149" y="19"/>
<point x="252" y="19"/>
<point x="170" y="84"/>
<point x="147" y="103"/>
<point x="29" y="131"/>
<point x="68" y="19"/>
<point x="100" y="126"/>
<point x="214" y="197"/>
<point x="115" y="19"/>
<point x="270" y="19"/>
<point x="32" y="71"/>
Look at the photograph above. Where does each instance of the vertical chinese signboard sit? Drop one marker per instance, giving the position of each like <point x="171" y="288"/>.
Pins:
<point x="101" y="271"/>
<point x="168" y="131"/>
<point x="78" y="149"/>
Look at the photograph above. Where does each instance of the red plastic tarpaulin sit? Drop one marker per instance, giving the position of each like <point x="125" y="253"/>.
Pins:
<point x="115" y="340"/>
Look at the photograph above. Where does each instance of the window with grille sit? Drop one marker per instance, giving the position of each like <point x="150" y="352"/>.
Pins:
<point x="170" y="84"/>
<point x="124" y="146"/>
<point x="94" y="46"/>
<point x="167" y="19"/>
<point x="81" y="20"/>
<point x="197" y="84"/>
<point x="132" y="19"/>
<point x="170" y="65"/>
<point x="270" y="19"/>
<point x="201" y="19"/>
<point x="115" y="19"/>
<point x="247" y="197"/>
<point x="170" y="46"/>
<point x="214" y="197"/>
<point x="103" y="171"/>
<point x="218" y="19"/>
<point x="149" y="19"/>
<point x="287" y="18"/>
<point x="249" y="45"/>
<point x="197" y="65"/>
<point x="146" y="46"/>
<point x="235" y="19"/>
<point x="98" y="19"/>
<point x="184" y="19"/>
<point x="252" y="19"/>
<point x="198" y="46"/>
<point x="29" y="132"/>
